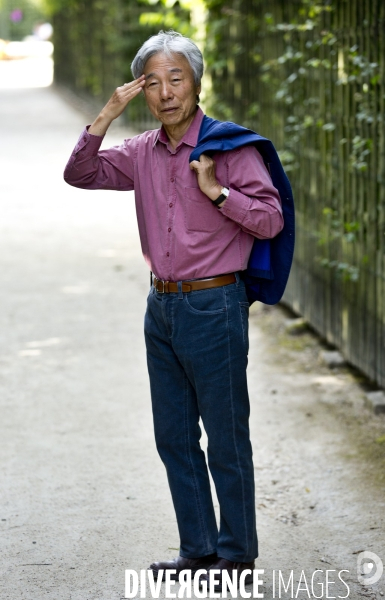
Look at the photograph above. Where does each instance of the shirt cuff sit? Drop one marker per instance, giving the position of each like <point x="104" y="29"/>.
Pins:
<point x="236" y="206"/>
<point x="88" y="139"/>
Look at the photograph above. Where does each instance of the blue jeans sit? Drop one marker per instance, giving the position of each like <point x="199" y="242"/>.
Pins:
<point x="197" y="347"/>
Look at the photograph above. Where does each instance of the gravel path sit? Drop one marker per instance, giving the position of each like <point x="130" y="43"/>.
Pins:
<point x="83" y="493"/>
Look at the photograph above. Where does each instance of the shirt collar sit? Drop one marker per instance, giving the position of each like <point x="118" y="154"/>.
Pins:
<point x="190" y="137"/>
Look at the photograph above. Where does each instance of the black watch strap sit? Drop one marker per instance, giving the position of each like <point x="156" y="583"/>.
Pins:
<point x="220" y="199"/>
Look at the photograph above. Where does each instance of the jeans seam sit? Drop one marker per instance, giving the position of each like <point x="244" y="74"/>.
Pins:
<point x="244" y="306"/>
<point x="200" y="512"/>
<point x="171" y="304"/>
<point x="233" y="427"/>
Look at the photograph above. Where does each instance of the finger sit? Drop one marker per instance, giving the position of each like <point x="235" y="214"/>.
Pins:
<point x="134" y="85"/>
<point x="138" y="86"/>
<point x="207" y="160"/>
<point x="122" y="97"/>
<point x="130" y="92"/>
<point x="194" y="165"/>
<point x="135" y="81"/>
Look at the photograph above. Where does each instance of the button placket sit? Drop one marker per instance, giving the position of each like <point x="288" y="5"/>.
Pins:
<point x="171" y="210"/>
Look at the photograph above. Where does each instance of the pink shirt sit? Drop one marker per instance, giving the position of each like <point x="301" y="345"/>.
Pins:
<point x="183" y="235"/>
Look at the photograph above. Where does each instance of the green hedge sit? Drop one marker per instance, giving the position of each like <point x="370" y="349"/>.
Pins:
<point x="311" y="76"/>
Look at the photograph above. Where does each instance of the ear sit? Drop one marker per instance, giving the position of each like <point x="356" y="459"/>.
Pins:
<point x="198" y="91"/>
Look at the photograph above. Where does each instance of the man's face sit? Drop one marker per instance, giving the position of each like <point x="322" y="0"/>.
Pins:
<point x="170" y="90"/>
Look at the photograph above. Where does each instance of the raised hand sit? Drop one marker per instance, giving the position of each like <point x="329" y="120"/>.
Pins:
<point x="121" y="97"/>
<point x="205" y="171"/>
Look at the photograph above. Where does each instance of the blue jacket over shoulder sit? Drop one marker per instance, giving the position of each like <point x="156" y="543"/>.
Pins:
<point x="270" y="260"/>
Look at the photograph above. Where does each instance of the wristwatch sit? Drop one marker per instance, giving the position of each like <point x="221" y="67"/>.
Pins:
<point x="224" y="194"/>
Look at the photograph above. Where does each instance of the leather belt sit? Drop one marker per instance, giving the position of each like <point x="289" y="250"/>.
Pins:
<point x="167" y="287"/>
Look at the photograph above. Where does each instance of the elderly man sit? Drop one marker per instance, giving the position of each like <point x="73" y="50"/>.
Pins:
<point x="197" y="223"/>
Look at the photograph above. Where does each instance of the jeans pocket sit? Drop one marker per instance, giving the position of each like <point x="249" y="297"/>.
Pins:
<point x="206" y="302"/>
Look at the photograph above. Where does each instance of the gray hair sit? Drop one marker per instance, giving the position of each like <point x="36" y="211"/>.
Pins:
<point x="169" y="42"/>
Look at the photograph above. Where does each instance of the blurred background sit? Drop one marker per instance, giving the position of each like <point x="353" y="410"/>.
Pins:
<point x="308" y="74"/>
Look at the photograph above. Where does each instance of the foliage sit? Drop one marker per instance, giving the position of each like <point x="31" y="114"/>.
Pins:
<point x="335" y="229"/>
<point x="310" y="75"/>
<point x="170" y="14"/>
<point x="280" y="68"/>
<point x="19" y="17"/>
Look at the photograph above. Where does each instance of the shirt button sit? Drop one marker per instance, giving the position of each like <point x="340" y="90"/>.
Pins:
<point x="172" y="179"/>
<point x="170" y="205"/>
<point x="168" y="254"/>
<point x="169" y="229"/>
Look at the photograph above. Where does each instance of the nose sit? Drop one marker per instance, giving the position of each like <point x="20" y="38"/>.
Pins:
<point x="166" y="91"/>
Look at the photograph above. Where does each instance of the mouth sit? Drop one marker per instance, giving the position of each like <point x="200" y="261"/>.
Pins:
<point x="170" y="110"/>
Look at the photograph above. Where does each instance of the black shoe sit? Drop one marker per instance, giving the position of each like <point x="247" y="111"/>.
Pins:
<point x="222" y="564"/>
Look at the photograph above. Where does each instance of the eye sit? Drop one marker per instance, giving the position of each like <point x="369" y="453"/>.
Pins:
<point x="174" y="80"/>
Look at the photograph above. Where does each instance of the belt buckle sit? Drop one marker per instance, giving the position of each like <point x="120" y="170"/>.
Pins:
<point x="162" y="291"/>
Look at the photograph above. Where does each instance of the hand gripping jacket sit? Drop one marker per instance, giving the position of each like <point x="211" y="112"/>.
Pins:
<point x="270" y="260"/>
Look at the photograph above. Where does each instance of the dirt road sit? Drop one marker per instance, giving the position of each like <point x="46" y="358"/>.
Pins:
<point x="83" y="493"/>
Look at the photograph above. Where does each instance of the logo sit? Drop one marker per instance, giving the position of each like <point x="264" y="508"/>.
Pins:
<point x="369" y="568"/>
